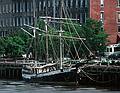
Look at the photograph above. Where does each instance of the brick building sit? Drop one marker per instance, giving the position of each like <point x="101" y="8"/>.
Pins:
<point x="108" y="11"/>
<point x="15" y="13"/>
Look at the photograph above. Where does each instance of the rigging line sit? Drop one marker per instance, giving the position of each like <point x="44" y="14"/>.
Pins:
<point x="72" y="39"/>
<point x="41" y="43"/>
<point x="50" y="35"/>
<point x="52" y="45"/>
<point x="64" y="36"/>
<point x="54" y="51"/>
<point x="94" y="79"/>
<point x="77" y="33"/>
<point x="30" y="45"/>
<point x="74" y="46"/>
<point x="67" y="37"/>
<point x="69" y="49"/>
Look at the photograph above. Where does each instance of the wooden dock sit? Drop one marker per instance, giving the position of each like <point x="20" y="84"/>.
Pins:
<point x="11" y="69"/>
<point x="103" y="75"/>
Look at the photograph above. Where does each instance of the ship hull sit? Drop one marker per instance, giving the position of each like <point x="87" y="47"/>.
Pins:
<point x="64" y="77"/>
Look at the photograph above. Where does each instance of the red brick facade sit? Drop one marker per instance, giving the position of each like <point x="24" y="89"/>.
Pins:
<point x="110" y="23"/>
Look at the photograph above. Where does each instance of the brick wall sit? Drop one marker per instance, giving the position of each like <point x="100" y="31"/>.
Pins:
<point x="110" y="17"/>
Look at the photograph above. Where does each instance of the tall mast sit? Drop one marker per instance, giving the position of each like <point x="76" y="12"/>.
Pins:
<point x="60" y="34"/>
<point x="34" y="30"/>
<point x="46" y="29"/>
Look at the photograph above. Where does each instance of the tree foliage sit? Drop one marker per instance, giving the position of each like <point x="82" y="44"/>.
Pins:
<point x="20" y="43"/>
<point x="94" y="34"/>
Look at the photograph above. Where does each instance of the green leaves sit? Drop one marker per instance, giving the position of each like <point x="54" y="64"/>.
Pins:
<point x="14" y="46"/>
<point x="17" y="44"/>
<point x="93" y="32"/>
<point x="95" y="35"/>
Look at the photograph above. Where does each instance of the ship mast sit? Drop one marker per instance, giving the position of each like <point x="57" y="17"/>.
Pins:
<point x="46" y="29"/>
<point x="60" y="34"/>
<point x="34" y="31"/>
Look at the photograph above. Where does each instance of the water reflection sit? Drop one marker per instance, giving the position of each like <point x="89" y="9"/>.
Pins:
<point x="22" y="87"/>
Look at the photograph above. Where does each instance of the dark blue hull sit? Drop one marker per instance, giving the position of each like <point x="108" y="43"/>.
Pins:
<point x="55" y="77"/>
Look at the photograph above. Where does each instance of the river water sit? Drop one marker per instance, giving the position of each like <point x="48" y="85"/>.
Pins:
<point x="22" y="87"/>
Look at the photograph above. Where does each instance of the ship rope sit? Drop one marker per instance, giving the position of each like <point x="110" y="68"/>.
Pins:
<point x="86" y="74"/>
<point x="66" y="12"/>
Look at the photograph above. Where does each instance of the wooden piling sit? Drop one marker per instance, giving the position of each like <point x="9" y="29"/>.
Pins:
<point x="10" y="71"/>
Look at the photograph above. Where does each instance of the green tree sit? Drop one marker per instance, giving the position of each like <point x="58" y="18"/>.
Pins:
<point x="94" y="34"/>
<point x="2" y="46"/>
<point x="14" y="46"/>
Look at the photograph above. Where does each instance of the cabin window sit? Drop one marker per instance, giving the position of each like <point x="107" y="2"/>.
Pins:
<point x="118" y="16"/>
<point x="116" y="49"/>
<point x="118" y="28"/>
<point x="118" y="3"/>
<point x="102" y="3"/>
<point x="107" y="50"/>
<point x="110" y="49"/>
<point x="102" y="16"/>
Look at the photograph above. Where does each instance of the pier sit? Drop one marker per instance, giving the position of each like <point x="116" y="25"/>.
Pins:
<point x="93" y="74"/>
<point x="10" y="69"/>
<point x="102" y="75"/>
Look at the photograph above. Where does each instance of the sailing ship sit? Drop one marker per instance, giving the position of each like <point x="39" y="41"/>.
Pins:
<point x="54" y="72"/>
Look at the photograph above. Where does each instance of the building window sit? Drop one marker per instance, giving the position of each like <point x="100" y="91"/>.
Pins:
<point x="49" y="4"/>
<point x="10" y="8"/>
<point x="86" y="3"/>
<point x="21" y="7"/>
<point x="13" y="8"/>
<point x="0" y="9"/>
<point x="102" y="3"/>
<point x="76" y="3"/>
<point x="3" y="8"/>
<point x="31" y="6"/>
<point x="81" y="3"/>
<point x="16" y="7"/>
<point x="3" y="22"/>
<point x="21" y="21"/>
<point x="0" y="24"/>
<point x="28" y="6"/>
<point x="102" y="17"/>
<point x="40" y="6"/>
<point x="7" y="8"/>
<point x="13" y="21"/>
<point x="118" y="3"/>
<point x="10" y="22"/>
<point x="119" y="29"/>
<point x="71" y="3"/>
<point x="118" y="17"/>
